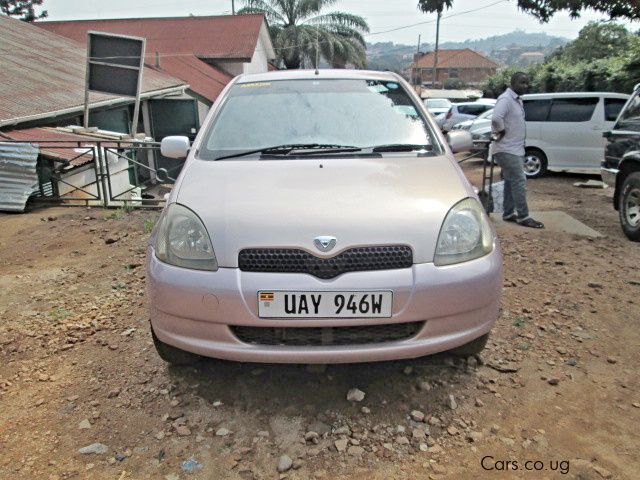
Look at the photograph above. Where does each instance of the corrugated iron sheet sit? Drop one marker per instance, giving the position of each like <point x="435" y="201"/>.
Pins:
<point x="71" y="151"/>
<point x="179" y="42"/>
<point x="204" y="79"/>
<point x="219" y="37"/>
<point x="456" y="58"/>
<point x="18" y="176"/>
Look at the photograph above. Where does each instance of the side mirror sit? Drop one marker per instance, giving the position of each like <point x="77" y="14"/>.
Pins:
<point x="607" y="134"/>
<point x="460" y="141"/>
<point x="175" y="147"/>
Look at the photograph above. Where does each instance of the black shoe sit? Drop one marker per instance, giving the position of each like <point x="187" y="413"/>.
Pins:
<point x="531" y="223"/>
<point x="510" y="218"/>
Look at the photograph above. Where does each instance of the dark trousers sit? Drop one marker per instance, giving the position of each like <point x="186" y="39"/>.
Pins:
<point x="515" y="185"/>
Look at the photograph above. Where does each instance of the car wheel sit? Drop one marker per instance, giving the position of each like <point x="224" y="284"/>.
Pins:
<point x="173" y="355"/>
<point x="474" y="347"/>
<point x="630" y="207"/>
<point x="535" y="163"/>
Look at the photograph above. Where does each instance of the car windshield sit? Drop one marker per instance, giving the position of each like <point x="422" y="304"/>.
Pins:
<point x="438" y="103"/>
<point x="336" y="112"/>
<point x="488" y="114"/>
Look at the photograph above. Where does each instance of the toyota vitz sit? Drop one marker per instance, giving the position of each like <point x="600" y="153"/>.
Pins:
<point x="321" y="217"/>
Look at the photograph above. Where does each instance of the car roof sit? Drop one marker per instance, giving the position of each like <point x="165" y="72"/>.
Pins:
<point x="340" y="74"/>
<point x="544" y="96"/>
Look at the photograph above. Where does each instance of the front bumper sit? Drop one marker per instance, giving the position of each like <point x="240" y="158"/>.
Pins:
<point x="609" y="176"/>
<point x="192" y="310"/>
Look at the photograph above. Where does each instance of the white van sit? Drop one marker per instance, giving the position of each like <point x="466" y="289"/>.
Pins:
<point x="564" y="130"/>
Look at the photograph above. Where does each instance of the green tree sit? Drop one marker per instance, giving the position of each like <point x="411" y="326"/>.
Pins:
<point x="597" y="40"/>
<point x="23" y="9"/>
<point x="543" y="10"/>
<point x="604" y="57"/>
<point x="298" y="27"/>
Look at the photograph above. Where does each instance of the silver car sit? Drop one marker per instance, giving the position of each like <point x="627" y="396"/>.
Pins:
<point x="460" y="112"/>
<point x="436" y="106"/>
<point x="321" y="218"/>
<point x="478" y="123"/>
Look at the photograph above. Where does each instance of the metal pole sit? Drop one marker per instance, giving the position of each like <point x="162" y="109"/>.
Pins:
<point x="435" y="60"/>
<point x="86" y="84"/>
<point x="233" y="7"/>
<point x="136" y="108"/>
<point x="317" y="48"/>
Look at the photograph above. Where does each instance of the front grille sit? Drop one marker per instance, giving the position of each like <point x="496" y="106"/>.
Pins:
<point x="316" y="337"/>
<point x="286" y="260"/>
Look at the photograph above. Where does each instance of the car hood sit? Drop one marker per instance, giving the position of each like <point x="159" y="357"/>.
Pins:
<point x="480" y="126"/>
<point x="391" y="200"/>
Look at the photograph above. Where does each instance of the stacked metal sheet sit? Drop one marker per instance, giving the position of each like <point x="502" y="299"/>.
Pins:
<point x="18" y="176"/>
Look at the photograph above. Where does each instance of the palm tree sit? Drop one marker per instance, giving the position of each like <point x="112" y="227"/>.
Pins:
<point x="298" y="28"/>
<point x="430" y="6"/>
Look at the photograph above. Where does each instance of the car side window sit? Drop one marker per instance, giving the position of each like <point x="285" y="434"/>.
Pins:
<point x="572" y="109"/>
<point x="630" y="116"/>
<point x="536" y="110"/>
<point x="612" y="107"/>
<point x="472" y="109"/>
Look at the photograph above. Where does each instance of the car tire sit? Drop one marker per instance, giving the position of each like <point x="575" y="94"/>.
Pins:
<point x="535" y="163"/>
<point x="629" y="206"/>
<point x="474" y="347"/>
<point x="173" y="355"/>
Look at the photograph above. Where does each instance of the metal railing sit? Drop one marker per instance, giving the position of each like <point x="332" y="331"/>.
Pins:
<point x="107" y="173"/>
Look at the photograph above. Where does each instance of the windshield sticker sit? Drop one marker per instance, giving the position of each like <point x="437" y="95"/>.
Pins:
<point x="255" y="84"/>
<point x="392" y="86"/>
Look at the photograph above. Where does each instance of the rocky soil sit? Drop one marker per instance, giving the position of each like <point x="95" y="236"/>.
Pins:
<point x="84" y="395"/>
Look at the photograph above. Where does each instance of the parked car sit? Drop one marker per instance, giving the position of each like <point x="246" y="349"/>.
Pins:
<point x="436" y="106"/>
<point x="564" y="130"/>
<point x="480" y="122"/>
<point x="481" y="137"/>
<point x="343" y="232"/>
<point x="459" y="112"/>
<point x="621" y="166"/>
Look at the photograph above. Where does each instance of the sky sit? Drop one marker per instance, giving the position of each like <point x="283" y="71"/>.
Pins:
<point x="499" y="16"/>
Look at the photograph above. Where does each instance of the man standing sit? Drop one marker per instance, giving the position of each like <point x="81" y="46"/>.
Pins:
<point x="508" y="132"/>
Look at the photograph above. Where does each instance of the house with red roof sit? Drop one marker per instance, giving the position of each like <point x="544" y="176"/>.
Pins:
<point x="205" y="52"/>
<point x="42" y="79"/>
<point x="466" y="65"/>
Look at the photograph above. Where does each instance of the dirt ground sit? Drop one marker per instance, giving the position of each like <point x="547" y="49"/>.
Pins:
<point x="554" y="395"/>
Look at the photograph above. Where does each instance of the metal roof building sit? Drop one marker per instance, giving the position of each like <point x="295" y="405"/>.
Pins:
<point x="206" y="52"/>
<point x="42" y="76"/>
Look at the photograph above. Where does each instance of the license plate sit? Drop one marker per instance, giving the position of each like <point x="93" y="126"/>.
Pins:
<point x="278" y="304"/>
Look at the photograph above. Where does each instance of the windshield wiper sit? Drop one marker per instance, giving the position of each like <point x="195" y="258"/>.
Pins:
<point x="286" y="149"/>
<point x="400" y="147"/>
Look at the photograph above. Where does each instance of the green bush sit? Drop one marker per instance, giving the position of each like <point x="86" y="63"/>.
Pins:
<point x="610" y="65"/>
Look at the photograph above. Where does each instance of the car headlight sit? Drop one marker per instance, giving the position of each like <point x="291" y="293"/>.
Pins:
<point x="183" y="241"/>
<point x="465" y="234"/>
